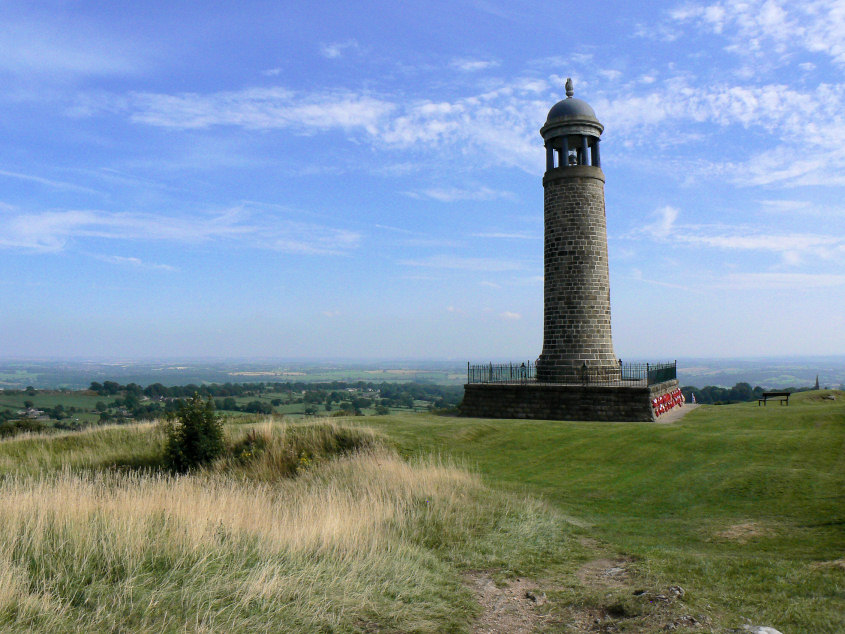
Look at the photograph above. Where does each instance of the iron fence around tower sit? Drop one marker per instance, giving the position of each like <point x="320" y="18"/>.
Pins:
<point x="629" y="374"/>
<point x="501" y="373"/>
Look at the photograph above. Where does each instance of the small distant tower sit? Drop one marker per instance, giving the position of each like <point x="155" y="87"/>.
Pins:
<point x="576" y="311"/>
<point x="817" y="383"/>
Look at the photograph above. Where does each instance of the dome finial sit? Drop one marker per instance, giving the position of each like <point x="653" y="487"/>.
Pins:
<point x="569" y="90"/>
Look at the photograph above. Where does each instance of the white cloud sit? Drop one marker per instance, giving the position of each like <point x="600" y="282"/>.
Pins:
<point x="472" y="65"/>
<point x="794" y="248"/>
<point x="762" y="27"/>
<point x="765" y="242"/>
<point x="489" y="265"/>
<point x="664" y="225"/>
<point x="63" y="49"/>
<point x="510" y="316"/>
<point x="803" y="207"/>
<point x="508" y="236"/>
<point x="54" y="230"/>
<point x="134" y="262"/>
<point x="338" y="49"/>
<point x="51" y="230"/>
<point x="610" y="74"/>
<point x="498" y="126"/>
<point x="261" y="108"/>
<point x="786" y="206"/>
<point x="315" y="240"/>
<point x="48" y="182"/>
<point x="452" y="194"/>
<point x="495" y="127"/>
<point x="797" y="281"/>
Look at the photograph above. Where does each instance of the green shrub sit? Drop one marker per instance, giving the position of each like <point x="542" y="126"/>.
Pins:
<point x="194" y="435"/>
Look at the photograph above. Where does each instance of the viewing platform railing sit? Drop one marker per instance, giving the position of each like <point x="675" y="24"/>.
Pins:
<point x="630" y="374"/>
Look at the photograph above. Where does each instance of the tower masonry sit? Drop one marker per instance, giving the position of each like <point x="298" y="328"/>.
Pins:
<point x="576" y="311"/>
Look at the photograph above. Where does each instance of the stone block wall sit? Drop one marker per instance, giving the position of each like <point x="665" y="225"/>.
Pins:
<point x="576" y="315"/>
<point x="562" y="402"/>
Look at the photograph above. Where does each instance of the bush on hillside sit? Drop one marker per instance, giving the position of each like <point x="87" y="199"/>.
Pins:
<point x="194" y="435"/>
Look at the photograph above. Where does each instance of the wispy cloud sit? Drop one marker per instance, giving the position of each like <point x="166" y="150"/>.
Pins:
<point x="490" y="265"/>
<point x="453" y="194"/>
<point x="494" y="122"/>
<point x="765" y="242"/>
<point x="48" y="182"/>
<point x="40" y="45"/>
<point x="134" y="262"/>
<point x="507" y="236"/>
<point x="338" y="49"/>
<point x="664" y="225"/>
<point x="510" y="316"/>
<point x="498" y="126"/>
<point x="801" y="207"/>
<point x="51" y="230"/>
<point x="473" y="65"/>
<point x="315" y="240"/>
<point x="794" y="248"/>
<point x="55" y="230"/>
<point x="781" y="281"/>
<point x="761" y="27"/>
<point x="261" y="108"/>
<point x="493" y="127"/>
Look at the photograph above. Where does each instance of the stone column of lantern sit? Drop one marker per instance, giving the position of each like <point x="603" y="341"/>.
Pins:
<point x="577" y="342"/>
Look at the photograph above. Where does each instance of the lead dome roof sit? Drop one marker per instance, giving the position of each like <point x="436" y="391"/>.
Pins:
<point x="571" y="107"/>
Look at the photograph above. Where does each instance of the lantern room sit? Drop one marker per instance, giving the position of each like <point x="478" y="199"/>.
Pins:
<point x="571" y="133"/>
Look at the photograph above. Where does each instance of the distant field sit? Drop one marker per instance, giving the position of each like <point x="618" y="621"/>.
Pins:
<point x="79" y="374"/>
<point x="86" y="401"/>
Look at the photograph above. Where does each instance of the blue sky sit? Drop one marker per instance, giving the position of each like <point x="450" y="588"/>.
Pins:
<point x="363" y="180"/>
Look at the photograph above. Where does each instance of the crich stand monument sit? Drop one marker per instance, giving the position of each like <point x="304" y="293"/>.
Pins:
<point x="577" y="375"/>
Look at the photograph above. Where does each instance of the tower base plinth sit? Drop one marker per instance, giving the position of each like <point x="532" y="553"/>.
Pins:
<point x="542" y="401"/>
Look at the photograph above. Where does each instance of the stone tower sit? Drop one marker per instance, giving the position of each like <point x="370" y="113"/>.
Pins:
<point x="576" y="315"/>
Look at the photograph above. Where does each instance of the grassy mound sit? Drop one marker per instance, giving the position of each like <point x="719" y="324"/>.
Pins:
<point x="358" y="540"/>
<point x="741" y="505"/>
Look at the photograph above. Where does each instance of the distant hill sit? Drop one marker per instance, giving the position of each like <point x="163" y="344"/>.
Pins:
<point x="767" y="373"/>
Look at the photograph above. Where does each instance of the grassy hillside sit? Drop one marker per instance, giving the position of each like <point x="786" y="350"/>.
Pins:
<point x="428" y="523"/>
<point x="743" y="506"/>
<point x="312" y="527"/>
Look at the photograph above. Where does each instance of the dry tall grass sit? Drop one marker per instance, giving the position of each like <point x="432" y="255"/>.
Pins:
<point x="353" y="542"/>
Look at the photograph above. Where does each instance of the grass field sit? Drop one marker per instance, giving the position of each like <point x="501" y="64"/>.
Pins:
<point x="743" y="506"/>
<point x="303" y="527"/>
<point x="436" y="524"/>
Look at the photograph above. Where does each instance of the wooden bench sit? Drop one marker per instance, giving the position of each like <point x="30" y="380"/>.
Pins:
<point x="782" y="396"/>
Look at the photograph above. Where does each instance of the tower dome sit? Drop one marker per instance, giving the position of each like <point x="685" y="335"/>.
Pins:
<point x="571" y="107"/>
<point x="571" y="133"/>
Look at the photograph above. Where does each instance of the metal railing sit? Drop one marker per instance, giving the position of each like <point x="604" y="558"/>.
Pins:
<point x="501" y="373"/>
<point x="630" y="374"/>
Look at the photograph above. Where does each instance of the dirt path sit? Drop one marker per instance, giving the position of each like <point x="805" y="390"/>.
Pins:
<point x="511" y="608"/>
<point x="615" y="601"/>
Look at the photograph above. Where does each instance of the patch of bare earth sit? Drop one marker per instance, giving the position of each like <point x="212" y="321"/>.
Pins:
<point x="836" y="564"/>
<point x="609" y="573"/>
<point x="742" y="533"/>
<point x="520" y="607"/>
<point x="622" y="606"/>
<point x="512" y="608"/>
